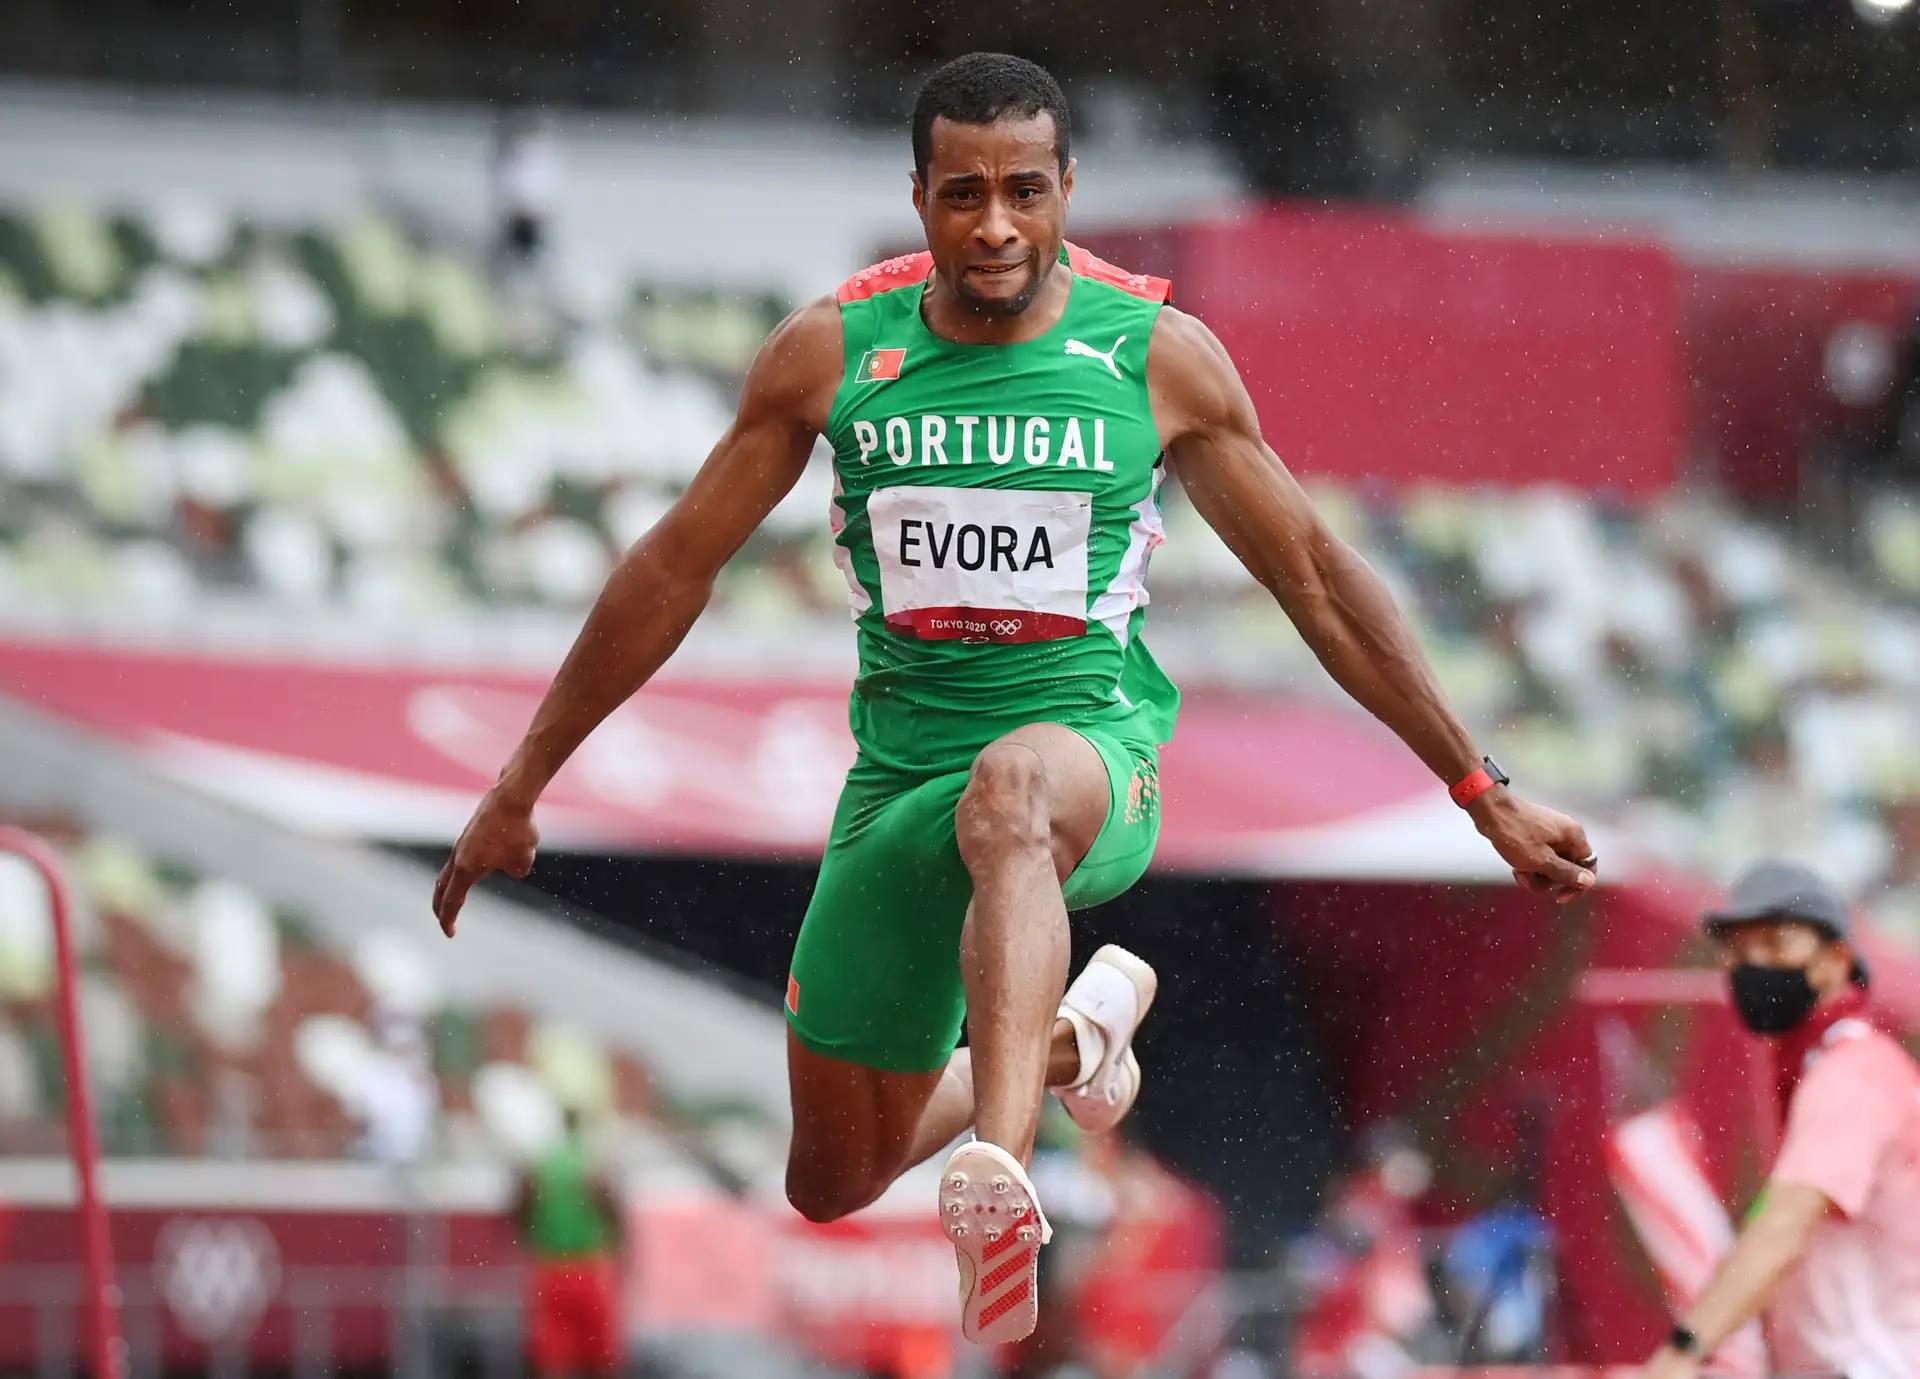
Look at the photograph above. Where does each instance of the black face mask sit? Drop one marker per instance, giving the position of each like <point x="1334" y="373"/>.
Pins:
<point x="1772" y="1000"/>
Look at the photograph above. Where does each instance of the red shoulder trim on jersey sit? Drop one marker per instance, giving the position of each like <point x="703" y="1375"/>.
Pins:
<point x="1137" y="284"/>
<point x="909" y="269"/>
<point x="904" y="271"/>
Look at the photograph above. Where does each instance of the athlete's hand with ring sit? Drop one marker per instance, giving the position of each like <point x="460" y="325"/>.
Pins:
<point x="1547" y="850"/>
<point x="499" y="837"/>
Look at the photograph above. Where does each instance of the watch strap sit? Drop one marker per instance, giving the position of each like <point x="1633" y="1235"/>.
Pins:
<point x="1477" y="782"/>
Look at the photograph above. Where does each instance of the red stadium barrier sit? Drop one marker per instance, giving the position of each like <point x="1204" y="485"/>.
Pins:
<point x="1380" y="350"/>
<point x="312" y="1266"/>
<point x="705" y="766"/>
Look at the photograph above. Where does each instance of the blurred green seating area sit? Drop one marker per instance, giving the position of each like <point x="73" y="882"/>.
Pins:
<point x="219" y="1026"/>
<point x="1681" y="672"/>
<point x="191" y="405"/>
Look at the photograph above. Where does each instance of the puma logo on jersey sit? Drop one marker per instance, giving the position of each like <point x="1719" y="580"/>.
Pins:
<point x="1086" y="351"/>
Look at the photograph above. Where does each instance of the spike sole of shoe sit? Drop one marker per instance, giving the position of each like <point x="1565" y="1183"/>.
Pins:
<point x="997" y="1230"/>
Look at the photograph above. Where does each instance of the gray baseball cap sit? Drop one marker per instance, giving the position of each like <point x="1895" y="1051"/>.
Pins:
<point x="1786" y="890"/>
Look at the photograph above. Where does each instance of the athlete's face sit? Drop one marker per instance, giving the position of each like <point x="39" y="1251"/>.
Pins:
<point x="994" y="203"/>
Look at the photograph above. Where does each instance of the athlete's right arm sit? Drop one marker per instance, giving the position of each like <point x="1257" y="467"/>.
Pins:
<point x="1341" y="607"/>
<point x="659" y="587"/>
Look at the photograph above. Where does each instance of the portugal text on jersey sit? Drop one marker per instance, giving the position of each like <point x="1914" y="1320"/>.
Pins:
<point x="966" y="439"/>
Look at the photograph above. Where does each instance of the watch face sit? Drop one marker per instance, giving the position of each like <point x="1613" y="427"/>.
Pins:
<point x="1493" y="769"/>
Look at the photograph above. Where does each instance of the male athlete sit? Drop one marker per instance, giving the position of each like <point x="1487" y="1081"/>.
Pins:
<point x="999" y="408"/>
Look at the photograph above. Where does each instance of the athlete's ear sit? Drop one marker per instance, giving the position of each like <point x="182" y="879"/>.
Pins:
<point x="1066" y="180"/>
<point x="919" y="196"/>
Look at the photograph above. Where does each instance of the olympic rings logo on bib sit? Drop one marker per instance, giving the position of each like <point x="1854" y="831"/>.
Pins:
<point x="982" y="564"/>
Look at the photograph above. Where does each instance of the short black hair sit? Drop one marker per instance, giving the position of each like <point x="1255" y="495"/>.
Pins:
<point x="981" y="88"/>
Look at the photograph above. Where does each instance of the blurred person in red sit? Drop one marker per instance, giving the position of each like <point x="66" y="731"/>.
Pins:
<point x="1157" y="1252"/>
<point x="569" y="1222"/>
<point x="1832" y="1249"/>
<point x="1363" y="1268"/>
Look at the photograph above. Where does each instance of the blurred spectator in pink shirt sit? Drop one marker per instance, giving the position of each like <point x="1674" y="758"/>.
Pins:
<point x="1833" y="1248"/>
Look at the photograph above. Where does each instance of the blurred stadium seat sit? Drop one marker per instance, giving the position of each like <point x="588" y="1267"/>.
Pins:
<point x="339" y="415"/>
<point x="218" y="1025"/>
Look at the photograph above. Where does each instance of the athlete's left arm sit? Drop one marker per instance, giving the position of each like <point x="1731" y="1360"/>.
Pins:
<point x="1343" y="610"/>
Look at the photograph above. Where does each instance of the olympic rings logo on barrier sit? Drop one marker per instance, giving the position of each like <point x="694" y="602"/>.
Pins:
<point x="217" y="1275"/>
<point x="1005" y="627"/>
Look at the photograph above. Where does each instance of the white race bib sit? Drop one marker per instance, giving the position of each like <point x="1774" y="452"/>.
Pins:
<point x="982" y="564"/>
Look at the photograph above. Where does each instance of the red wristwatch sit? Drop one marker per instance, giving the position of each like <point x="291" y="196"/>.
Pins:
<point x="1483" y="778"/>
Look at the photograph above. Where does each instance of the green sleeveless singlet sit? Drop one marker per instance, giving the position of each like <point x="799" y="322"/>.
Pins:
<point x="994" y="510"/>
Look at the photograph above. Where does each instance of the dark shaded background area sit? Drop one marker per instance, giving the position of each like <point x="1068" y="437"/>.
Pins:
<point x="1318" y="98"/>
<point x="1240" y="1094"/>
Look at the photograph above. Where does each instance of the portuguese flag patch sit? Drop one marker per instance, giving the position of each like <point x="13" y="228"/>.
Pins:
<point x="880" y="365"/>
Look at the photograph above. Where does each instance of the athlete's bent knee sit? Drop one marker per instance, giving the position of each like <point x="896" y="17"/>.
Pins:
<point x="1005" y="803"/>
<point x="824" y="1200"/>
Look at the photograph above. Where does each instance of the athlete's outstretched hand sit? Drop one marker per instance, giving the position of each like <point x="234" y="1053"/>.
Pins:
<point x="499" y="837"/>
<point x="1548" y="851"/>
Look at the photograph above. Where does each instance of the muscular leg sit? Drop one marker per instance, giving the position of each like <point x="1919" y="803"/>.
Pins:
<point x="852" y="1128"/>
<point x="950" y="1109"/>
<point x="847" y="1139"/>
<point x="1033" y="806"/>
<point x="1035" y="803"/>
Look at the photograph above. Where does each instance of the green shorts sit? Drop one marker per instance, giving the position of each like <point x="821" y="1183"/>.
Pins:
<point x="876" y="969"/>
